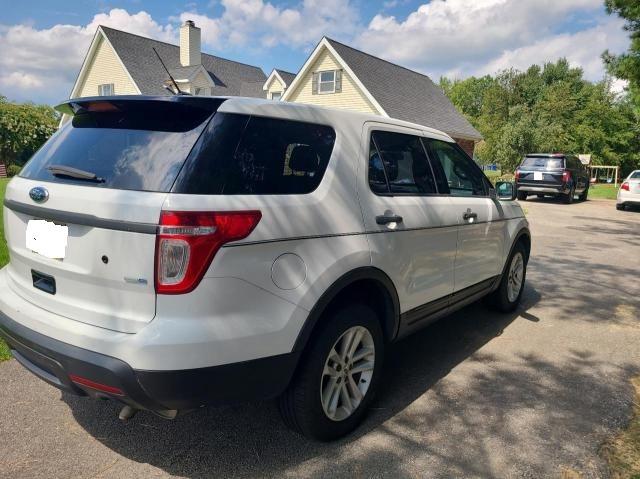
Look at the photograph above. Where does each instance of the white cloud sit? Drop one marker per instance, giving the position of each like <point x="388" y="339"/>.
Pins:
<point x="452" y="37"/>
<point x="582" y="49"/>
<point x="464" y="37"/>
<point x="258" y="24"/>
<point x="42" y="65"/>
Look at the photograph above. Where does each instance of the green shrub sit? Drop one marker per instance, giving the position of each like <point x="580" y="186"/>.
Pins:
<point x="13" y="170"/>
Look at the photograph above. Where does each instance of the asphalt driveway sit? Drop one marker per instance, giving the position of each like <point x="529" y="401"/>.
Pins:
<point x="531" y="394"/>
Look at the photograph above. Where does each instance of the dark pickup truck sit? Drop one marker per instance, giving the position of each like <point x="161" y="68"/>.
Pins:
<point x="553" y="174"/>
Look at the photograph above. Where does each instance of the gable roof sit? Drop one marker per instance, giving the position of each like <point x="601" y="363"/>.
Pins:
<point x="404" y="94"/>
<point x="136" y="53"/>
<point x="287" y="77"/>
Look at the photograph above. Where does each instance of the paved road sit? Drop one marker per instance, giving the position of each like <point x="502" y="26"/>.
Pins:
<point x="476" y="395"/>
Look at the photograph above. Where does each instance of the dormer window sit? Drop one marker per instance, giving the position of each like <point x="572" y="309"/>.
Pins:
<point x="276" y="95"/>
<point x="327" y="82"/>
<point x="105" y="89"/>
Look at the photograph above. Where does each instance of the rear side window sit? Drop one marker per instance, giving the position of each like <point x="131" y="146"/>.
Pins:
<point x="244" y="155"/>
<point x="134" y="145"/>
<point x="398" y="165"/>
<point x="542" y="162"/>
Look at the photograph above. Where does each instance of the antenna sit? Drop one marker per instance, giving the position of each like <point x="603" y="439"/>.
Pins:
<point x="179" y="92"/>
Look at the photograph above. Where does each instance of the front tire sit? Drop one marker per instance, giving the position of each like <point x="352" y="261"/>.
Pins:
<point x="508" y="294"/>
<point x="338" y="375"/>
<point x="522" y="195"/>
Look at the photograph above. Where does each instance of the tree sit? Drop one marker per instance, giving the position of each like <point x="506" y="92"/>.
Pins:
<point x="547" y="109"/>
<point x="627" y="65"/>
<point x="23" y="129"/>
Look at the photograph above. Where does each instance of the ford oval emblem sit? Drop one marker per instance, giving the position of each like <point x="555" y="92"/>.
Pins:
<point x="39" y="194"/>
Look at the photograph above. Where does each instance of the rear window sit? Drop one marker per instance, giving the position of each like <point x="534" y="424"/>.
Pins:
<point x="542" y="162"/>
<point x="134" y="145"/>
<point x="248" y="155"/>
<point x="635" y="175"/>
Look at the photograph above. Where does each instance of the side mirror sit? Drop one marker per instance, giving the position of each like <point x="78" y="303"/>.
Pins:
<point x="506" y="190"/>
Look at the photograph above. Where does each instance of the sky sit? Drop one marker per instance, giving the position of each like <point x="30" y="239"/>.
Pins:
<point x="43" y="42"/>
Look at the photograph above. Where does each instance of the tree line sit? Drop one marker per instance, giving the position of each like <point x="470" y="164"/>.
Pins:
<point x="547" y="109"/>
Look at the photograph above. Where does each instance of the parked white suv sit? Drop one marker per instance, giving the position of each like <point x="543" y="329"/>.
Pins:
<point x="176" y="252"/>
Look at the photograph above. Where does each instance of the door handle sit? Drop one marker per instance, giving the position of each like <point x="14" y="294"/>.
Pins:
<point x="384" y="219"/>
<point x="469" y="215"/>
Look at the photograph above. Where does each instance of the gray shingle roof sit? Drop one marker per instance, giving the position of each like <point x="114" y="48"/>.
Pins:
<point x="136" y="52"/>
<point x="405" y="94"/>
<point x="286" y="76"/>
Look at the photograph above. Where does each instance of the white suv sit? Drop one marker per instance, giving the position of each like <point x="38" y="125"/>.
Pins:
<point x="175" y="252"/>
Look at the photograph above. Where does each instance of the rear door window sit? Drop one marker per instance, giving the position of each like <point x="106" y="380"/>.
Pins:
<point x="133" y="145"/>
<point x="244" y="155"/>
<point x="398" y="164"/>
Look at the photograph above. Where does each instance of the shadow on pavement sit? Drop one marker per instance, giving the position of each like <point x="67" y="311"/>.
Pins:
<point x="250" y="438"/>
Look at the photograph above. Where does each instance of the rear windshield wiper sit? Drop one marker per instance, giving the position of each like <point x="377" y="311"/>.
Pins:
<point x="69" y="172"/>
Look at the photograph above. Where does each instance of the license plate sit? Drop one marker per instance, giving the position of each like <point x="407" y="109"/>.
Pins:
<point x="537" y="175"/>
<point x="47" y="239"/>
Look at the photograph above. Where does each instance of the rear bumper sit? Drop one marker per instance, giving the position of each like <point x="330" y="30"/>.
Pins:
<point x="626" y="198"/>
<point x="547" y="190"/>
<point x="54" y="362"/>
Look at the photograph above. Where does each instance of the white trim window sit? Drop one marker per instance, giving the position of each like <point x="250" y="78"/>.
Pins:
<point x="276" y="95"/>
<point x="200" y="91"/>
<point x="327" y="82"/>
<point x="106" y="89"/>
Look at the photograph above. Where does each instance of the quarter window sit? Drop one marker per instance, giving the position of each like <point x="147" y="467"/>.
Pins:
<point x="327" y="82"/>
<point x="105" y="89"/>
<point x="398" y="165"/>
<point x="242" y="155"/>
<point x="455" y="171"/>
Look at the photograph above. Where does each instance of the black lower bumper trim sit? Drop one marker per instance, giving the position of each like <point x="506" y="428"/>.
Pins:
<point x="54" y="361"/>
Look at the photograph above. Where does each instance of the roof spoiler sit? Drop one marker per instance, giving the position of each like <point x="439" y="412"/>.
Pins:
<point x="106" y="104"/>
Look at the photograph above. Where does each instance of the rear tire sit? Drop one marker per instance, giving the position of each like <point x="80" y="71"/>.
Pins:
<point x="583" y="196"/>
<point x="568" y="198"/>
<point x="506" y="298"/>
<point x="522" y="196"/>
<point x="327" y="399"/>
<point x="620" y="207"/>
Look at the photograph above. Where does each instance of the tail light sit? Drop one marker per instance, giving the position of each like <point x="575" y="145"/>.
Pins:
<point x="517" y="175"/>
<point x="187" y="241"/>
<point x="566" y="176"/>
<point x="625" y="186"/>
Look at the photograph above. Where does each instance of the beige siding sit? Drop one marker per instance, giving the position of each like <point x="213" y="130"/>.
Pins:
<point x="200" y="81"/>
<point x="275" y="87"/>
<point x="350" y="97"/>
<point x="105" y="67"/>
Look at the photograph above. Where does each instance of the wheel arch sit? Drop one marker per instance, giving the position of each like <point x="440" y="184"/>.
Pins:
<point x="355" y="284"/>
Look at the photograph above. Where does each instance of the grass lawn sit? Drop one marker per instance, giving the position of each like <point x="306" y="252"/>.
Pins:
<point x="603" y="192"/>
<point x="623" y="451"/>
<point x="4" y="259"/>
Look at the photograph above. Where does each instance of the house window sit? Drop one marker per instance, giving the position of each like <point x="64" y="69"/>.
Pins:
<point x="105" y="89"/>
<point x="276" y="95"/>
<point x="327" y="82"/>
<point x="200" y="91"/>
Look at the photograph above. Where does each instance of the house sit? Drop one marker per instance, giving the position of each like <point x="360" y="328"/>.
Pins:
<point x="335" y="75"/>
<point x="120" y="63"/>
<point x="339" y="76"/>
<point x="277" y="82"/>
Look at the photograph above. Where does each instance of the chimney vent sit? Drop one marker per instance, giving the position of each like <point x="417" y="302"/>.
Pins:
<point x="189" y="44"/>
